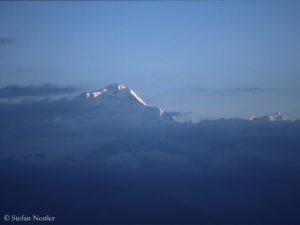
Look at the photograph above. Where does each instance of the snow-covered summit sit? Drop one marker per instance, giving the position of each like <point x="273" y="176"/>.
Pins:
<point x="117" y="91"/>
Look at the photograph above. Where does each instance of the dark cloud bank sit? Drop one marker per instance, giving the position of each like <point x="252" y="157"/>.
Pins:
<point x="89" y="164"/>
<point x="15" y="91"/>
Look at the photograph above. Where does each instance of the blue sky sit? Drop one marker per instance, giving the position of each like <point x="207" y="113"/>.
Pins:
<point x="208" y="59"/>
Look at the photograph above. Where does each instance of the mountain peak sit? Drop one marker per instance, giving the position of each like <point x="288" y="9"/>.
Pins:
<point x="275" y="117"/>
<point x="117" y="99"/>
<point x="117" y="91"/>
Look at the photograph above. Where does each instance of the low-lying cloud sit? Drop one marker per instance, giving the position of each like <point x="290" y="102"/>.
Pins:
<point x="85" y="153"/>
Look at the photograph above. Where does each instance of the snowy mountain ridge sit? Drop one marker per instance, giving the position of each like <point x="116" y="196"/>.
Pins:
<point x="274" y="117"/>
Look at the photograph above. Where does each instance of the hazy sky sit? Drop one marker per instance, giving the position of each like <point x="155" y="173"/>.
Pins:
<point x="211" y="59"/>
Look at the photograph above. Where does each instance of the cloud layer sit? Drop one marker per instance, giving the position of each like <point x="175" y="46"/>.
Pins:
<point x="108" y="165"/>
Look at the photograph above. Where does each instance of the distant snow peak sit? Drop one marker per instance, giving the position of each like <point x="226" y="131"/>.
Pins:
<point x="252" y="118"/>
<point x="275" y="117"/>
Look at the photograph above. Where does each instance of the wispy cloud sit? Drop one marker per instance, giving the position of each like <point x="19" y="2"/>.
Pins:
<point x="237" y="89"/>
<point x="6" y="41"/>
<point x="14" y="91"/>
<point x="250" y="89"/>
